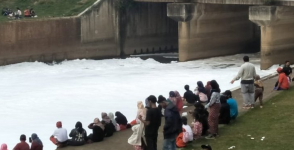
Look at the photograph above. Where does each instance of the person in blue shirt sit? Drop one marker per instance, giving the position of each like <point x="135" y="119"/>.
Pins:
<point x="233" y="105"/>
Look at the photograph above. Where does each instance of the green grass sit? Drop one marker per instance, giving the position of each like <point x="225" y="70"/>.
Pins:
<point x="47" y="8"/>
<point x="275" y="122"/>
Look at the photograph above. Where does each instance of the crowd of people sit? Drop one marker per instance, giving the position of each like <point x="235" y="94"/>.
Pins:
<point x="17" y="14"/>
<point x="211" y="109"/>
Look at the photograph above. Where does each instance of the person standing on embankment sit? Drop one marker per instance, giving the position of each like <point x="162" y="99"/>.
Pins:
<point x="152" y="123"/>
<point x="247" y="74"/>
<point x="172" y="126"/>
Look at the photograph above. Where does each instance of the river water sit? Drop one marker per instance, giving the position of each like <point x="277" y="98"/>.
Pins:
<point x="36" y="95"/>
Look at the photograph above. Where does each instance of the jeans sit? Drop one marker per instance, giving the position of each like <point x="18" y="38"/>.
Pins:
<point x="151" y="143"/>
<point x="169" y="144"/>
<point x="247" y="91"/>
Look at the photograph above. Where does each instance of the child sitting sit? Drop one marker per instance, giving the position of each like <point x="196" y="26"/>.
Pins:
<point x="197" y="126"/>
<point x="185" y="136"/>
<point x="258" y="89"/>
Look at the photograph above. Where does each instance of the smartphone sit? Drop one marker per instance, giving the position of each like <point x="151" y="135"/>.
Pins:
<point x="30" y="140"/>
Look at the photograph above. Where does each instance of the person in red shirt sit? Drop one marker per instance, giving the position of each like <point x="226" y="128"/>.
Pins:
<point x="23" y="145"/>
<point x="283" y="83"/>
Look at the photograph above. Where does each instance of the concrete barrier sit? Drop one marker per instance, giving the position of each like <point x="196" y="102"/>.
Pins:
<point x="98" y="32"/>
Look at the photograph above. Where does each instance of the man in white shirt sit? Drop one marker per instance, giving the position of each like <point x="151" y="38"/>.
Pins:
<point x="59" y="137"/>
<point x="247" y="74"/>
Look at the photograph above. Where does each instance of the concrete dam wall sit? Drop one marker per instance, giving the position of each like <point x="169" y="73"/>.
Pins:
<point x="101" y="32"/>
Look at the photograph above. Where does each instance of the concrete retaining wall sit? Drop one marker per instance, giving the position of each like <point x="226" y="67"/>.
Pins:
<point x="209" y="30"/>
<point x="95" y="34"/>
<point x="277" y="29"/>
<point x="43" y="40"/>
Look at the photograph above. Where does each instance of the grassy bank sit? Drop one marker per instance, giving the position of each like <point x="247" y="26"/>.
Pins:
<point x="274" y="122"/>
<point x="47" y="8"/>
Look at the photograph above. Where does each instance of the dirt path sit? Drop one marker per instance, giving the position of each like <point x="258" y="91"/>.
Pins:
<point x="119" y="140"/>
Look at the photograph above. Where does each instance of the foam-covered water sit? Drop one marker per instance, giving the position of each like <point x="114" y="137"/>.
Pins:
<point x="36" y="95"/>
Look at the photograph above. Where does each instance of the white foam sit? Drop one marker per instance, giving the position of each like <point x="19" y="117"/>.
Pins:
<point x="36" y="95"/>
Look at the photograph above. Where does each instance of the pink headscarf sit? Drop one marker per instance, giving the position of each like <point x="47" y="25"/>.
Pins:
<point x="4" y="147"/>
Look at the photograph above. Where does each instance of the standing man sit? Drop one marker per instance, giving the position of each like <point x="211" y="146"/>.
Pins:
<point x="152" y="123"/>
<point x="247" y="74"/>
<point x="288" y="70"/>
<point x="173" y="124"/>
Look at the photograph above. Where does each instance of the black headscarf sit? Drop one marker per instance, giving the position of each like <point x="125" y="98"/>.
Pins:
<point x="36" y="139"/>
<point x="79" y="127"/>
<point x="201" y="87"/>
<point x="120" y="118"/>
<point x="223" y="99"/>
<point x="214" y="86"/>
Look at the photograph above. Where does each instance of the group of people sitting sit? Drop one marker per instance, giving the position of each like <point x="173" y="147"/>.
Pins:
<point x="18" y="13"/>
<point x="100" y="129"/>
<point x="284" y="80"/>
<point x="211" y="109"/>
<point x="36" y="143"/>
<point x="222" y="109"/>
<point x="177" y="132"/>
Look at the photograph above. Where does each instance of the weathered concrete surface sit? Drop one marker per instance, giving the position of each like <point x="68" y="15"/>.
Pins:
<point x="284" y="2"/>
<point x="164" y="1"/>
<point x="239" y="2"/>
<point x="119" y="139"/>
<point x="277" y="38"/>
<point x="38" y="40"/>
<point x="229" y="2"/>
<point x="181" y="12"/>
<point x="95" y="34"/>
<point x="215" y="30"/>
<point x="146" y="27"/>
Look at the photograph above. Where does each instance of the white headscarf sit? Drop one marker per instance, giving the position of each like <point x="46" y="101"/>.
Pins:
<point x="111" y="116"/>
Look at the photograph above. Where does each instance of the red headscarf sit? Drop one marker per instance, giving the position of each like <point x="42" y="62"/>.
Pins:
<point x="179" y="101"/>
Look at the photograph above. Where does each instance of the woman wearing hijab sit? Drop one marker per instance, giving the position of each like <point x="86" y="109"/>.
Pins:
<point x="179" y="101"/>
<point x="224" y="116"/>
<point x="109" y="127"/>
<point x="4" y="147"/>
<point x="208" y="89"/>
<point x="111" y="116"/>
<point x="137" y="138"/>
<point x="78" y="135"/>
<point x="201" y="114"/>
<point x="201" y="92"/>
<point x="121" y="120"/>
<point x="105" y="117"/>
<point x="214" y="109"/>
<point x="98" y="131"/>
<point x="141" y="112"/>
<point x="36" y="142"/>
